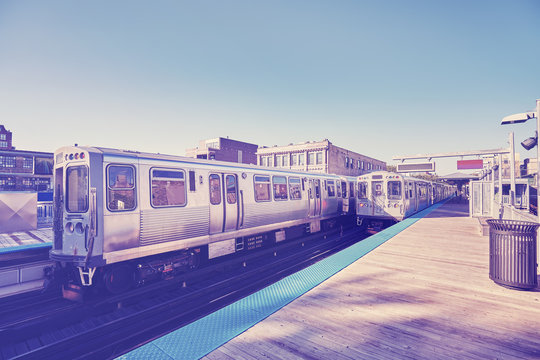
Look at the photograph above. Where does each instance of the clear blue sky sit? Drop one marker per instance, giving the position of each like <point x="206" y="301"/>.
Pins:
<point x="382" y="78"/>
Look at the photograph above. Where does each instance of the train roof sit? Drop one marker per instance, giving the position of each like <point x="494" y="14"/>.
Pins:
<point x="165" y="157"/>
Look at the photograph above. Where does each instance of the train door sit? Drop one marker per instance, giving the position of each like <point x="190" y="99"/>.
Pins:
<point x="377" y="195"/>
<point x="223" y="202"/>
<point x="314" y="197"/>
<point x="345" y="196"/>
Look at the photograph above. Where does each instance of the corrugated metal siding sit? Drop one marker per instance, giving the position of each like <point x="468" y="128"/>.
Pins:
<point x="162" y="225"/>
<point x="270" y="213"/>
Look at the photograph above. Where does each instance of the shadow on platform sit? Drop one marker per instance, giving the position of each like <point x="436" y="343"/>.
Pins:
<point x="452" y="208"/>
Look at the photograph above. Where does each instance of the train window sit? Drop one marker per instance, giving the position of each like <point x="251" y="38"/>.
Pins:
<point x="362" y="190"/>
<point x="394" y="190"/>
<point x="168" y="188"/>
<point x="77" y="189"/>
<point x="338" y="186"/>
<point x="192" y="183"/>
<point x="294" y="188"/>
<point x="262" y="188"/>
<point x="344" y="189"/>
<point x="280" y="187"/>
<point x="121" y="188"/>
<point x="351" y="189"/>
<point x="405" y="190"/>
<point x="331" y="188"/>
<point x="230" y="181"/>
<point x="215" y="189"/>
<point x="411" y="195"/>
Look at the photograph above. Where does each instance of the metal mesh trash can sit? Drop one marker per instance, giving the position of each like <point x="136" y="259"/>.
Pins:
<point x="512" y="253"/>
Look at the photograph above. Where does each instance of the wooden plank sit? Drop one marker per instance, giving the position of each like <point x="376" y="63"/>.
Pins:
<point x="423" y="294"/>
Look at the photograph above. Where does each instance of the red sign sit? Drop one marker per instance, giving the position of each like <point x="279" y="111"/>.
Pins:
<point x="470" y="164"/>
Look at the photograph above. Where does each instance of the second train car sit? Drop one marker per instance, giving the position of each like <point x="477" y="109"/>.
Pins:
<point x="384" y="198"/>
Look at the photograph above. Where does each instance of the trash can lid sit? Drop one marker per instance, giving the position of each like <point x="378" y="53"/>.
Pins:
<point x="512" y="225"/>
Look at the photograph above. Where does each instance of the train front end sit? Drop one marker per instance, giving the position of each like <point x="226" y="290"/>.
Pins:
<point x="76" y="246"/>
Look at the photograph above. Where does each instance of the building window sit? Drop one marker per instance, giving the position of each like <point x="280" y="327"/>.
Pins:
<point x="3" y="137"/>
<point x="278" y="161"/>
<point x="10" y="161"/>
<point x="319" y="158"/>
<point x="213" y="145"/>
<point x="352" y="163"/>
<point x="239" y="156"/>
<point x="286" y="160"/>
<point x="28" y="163"/>
<point x="311" y="158"/>
<point x="347" y="162"/>
<point x="294" y="159"/>
<point x="28" y="182"/>
<point x="3" y="144"/>
<point x="301" y="159"/>
<point x="358" y="164"/>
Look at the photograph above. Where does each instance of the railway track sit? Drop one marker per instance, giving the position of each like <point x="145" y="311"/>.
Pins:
<point x="110" y="327"/>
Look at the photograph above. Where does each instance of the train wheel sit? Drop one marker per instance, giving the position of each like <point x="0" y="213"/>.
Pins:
<point x="118" y="278"/>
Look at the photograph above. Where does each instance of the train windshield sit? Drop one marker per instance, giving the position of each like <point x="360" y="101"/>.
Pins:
<point x="394" y="190"/>
<point x="362" y="190"/>
<point x="77" y="189"/>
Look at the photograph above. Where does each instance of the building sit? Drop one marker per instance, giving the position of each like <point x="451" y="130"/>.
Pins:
<point x="25" y="187"/>
<point x="23" y="170"/>
<point x="225" y="149"/>
<point x="318" y="156"/>
<point x="5" y="139"/>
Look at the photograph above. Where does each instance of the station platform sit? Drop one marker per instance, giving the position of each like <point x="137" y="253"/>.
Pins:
<point x="421" y="292"/>
<point x="18" y="241"/>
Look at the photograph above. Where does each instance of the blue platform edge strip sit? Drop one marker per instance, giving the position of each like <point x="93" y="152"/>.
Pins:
<point x="17" y="248"/>
<point x="201" y="337"/>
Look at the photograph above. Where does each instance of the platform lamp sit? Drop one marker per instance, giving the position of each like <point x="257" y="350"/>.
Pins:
<point x="529" y="143"/>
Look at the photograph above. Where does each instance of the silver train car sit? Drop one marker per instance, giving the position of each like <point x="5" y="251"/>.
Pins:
<point x="347" y="192"/>
<point x="122" y="218"/>
<point x="384" y="198"/>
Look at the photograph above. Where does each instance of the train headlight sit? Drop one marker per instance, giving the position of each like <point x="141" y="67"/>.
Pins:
<point x="79" y="228"/>
<point x="69" y="227"/>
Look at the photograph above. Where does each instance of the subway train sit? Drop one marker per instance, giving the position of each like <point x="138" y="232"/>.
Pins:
<point x="123" y="218"/>
<point x="385" y="198"/>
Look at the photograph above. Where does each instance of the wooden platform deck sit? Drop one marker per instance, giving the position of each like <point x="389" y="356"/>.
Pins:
<point x="425" y="294"/>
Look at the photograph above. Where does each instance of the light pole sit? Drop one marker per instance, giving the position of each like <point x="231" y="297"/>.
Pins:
<point x="521" y="118"/>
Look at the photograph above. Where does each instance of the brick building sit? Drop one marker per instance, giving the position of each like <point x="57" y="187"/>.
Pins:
<point x="5" y="139"/>
<point x="318" y="156"/>
<point x="225" y="149"/>
<point x="23" y="170"/>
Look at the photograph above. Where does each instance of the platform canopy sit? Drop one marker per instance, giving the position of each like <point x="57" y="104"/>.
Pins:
<point x="459" y="176"/>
